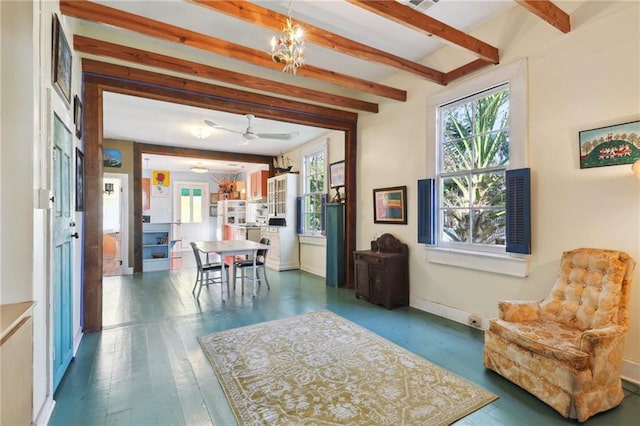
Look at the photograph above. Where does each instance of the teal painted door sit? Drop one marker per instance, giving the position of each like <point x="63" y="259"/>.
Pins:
<point x="62" y="251"/>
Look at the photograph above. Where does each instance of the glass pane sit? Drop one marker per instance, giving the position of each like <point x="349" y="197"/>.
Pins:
<point x="491" y="149"/>
<point x="185" y="207"/>
<point x="492" y="112"/>
<point x="456" y="123"/>
<point x="455" y="191"/>
<point x="457" y="155"/>
<point x="489" y="189"/>
<point x="197" y="206"/>
<point x="455" y="225"/>
<point x="489" y="227"/>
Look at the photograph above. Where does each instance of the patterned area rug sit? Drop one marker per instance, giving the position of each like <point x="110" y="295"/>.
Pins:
<point x="322" y="369"/>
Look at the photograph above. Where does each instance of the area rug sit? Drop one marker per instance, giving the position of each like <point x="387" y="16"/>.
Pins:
<point x="321" y="369"/>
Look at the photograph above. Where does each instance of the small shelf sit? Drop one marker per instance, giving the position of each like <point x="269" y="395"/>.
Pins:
<point x="156" y="240"/>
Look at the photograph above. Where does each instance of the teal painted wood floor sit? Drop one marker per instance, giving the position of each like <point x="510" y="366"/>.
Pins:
<point x="146" y="367"/>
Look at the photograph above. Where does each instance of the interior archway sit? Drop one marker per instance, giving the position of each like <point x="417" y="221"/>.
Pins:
<point x="104" y="77"/>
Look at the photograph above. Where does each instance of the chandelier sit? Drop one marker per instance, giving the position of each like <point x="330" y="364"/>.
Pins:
<point x="288" y="48"/>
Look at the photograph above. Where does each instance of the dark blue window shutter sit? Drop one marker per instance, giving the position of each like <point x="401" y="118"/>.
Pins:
<point x="427" y="211"/>
<point x="518" y="211"/>
<point x="323" y="219"/>
<point x="299" y="214"/>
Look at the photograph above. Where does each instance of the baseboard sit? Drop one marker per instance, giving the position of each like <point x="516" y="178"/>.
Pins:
<point x="45" y="413"/>
<point x="630" y="369"/>
<point x="76" y="340"/>
<point x="315" y="271"/>
<point x="127" y="271"/>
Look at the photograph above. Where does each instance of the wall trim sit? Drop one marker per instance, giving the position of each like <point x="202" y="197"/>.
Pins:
<point x="315" y="271"/>
<point x="46" y="411"/>
<point x="630" y="369"/>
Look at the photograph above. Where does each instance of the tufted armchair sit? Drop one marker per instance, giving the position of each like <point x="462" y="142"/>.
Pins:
<point x="567" y="349"/>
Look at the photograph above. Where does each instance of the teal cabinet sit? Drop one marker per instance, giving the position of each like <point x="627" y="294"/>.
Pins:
<point x="335" y="276"/>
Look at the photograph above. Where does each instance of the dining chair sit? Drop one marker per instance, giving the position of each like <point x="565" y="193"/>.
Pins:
<point x="204" y="269"/>
<point x="247" y="264"/>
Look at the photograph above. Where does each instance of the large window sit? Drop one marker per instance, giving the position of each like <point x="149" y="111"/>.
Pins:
<point x="474" y="210"/>
<point x="314" y="169"/>
<point x="473" y="147"/>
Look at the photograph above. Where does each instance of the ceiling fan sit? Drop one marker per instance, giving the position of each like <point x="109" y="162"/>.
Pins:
<point x="250" y="135"/>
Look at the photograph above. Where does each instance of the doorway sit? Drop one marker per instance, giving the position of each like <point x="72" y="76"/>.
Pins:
<point x="115" y="241"/>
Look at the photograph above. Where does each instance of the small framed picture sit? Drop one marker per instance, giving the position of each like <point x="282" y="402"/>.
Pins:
<point x="61" y="62"/>
<point x="610" y="145"/>
<point x="77" y="115"/>
<point x="336" y="174"/>
<point x="79" y="180"/>
<point x="390" y="205"/>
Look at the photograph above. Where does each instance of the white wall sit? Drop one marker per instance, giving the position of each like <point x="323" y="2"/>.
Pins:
<point x="28" y="103"/>
<point x="577" y="81"/>
<point x="313" y="254"/>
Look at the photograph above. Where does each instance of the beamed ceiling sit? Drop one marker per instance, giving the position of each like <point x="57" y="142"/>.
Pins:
<point x="226" y="42"/>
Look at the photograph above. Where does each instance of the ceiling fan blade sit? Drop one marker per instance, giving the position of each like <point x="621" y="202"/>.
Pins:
<point x="230" y="130"/>
<point x="278" y="136"/>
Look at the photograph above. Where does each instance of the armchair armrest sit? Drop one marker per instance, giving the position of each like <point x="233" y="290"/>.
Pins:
<point x="605" y="347"/>
<point x="591" y="339"/>
<point x="518" y="310"/>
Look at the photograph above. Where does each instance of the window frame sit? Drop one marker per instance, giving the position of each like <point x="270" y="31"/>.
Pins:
<point x="472" y="256"/>
<point x="443" y="174"/>
<point x="305" y="196"/>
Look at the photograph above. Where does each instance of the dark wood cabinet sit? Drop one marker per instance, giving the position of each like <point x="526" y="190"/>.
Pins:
<point x="382" y="273"/>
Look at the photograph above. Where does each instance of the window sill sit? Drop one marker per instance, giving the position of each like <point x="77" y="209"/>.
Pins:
<point x="313" y="240"/>
<point x="505" y="264"/>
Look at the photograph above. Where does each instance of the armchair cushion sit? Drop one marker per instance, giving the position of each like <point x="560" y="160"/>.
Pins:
<point x="550" y="339"/>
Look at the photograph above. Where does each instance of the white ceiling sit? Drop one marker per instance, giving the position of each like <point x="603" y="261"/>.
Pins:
<point x="156" y="122"/>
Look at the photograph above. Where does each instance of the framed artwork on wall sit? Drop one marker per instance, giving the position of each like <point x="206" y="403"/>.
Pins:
<point x="79" y="180"/>
<point x="111" y="157"/>
<point x="390" y="205"/>
<point x="77" y="115"/>
<point x="610" y="145"/>
<point x="336" y="174"/>
<point x="61" y="62"/>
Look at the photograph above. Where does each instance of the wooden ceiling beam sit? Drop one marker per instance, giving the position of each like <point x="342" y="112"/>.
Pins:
<point x="466" y="69"/>
<point x="405" y="15"/>
<point x="94" y="12"/>
<point x="215" y="95"/>
<point x="257" y="15"/>
<point x="130" y="54"/>
<point x="548" y="11"/>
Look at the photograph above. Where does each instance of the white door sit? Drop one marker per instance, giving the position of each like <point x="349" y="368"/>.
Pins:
<point x="114" y="238"/>
<point x="191" y="211"/>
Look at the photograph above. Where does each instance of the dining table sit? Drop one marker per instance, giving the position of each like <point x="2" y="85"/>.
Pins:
<point x="226" y="248"/>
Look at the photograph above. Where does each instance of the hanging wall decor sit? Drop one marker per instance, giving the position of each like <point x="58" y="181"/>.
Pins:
<point x="390" y="205"/>
<point x="610" y="145"/>
<point x="79" y="180"/>
<point x="61" y="62"/>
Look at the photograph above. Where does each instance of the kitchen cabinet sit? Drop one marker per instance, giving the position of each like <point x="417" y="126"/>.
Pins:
<point x="282" y="191"/>
<point x="283" y="253"/>
<point x="382" y="273"/>
<point x="259" y="184"/>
